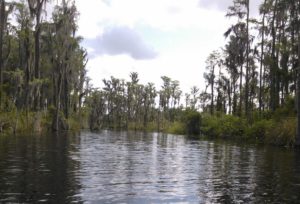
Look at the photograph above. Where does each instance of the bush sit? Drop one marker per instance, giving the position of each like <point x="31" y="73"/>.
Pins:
<point x="151" y="127"/>
<point x="177" y="128"/>
<point x="192" y="122"/>
<point x="209" y="125"/>
<point x="287" y="110"/>
<point x="282" y="132"/>
<point x="259" y="129"/>
<point x="225" y="126"/>
<point x="276" y="131"/>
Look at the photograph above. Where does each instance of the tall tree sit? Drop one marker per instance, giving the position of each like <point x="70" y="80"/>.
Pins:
<point x="240" y="9"/>
<point x="298" y="81"/>
<point x="211" y="63"/>
<point x="2" y="26"/>
<point x="262" y="45"/>
<point x="35" y="7"/>
<point x="247" y="5"/>
<point x="5" y="9"/>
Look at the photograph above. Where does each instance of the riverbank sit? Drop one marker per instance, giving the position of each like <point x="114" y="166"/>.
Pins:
<point x="16" y="122"/>
<point x="279" y="132"/>
<point x="271" y="129"/>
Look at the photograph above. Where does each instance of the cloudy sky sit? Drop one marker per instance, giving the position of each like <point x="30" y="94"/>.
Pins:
<point x="152" y="37"/>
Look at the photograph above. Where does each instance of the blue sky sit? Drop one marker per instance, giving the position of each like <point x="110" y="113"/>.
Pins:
<point x="152" y="37"/>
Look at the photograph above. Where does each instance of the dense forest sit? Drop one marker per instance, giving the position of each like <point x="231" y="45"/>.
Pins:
<point x="42" y="65"/>
<point x="255" y="76"/>
<point x="251" y="91"/>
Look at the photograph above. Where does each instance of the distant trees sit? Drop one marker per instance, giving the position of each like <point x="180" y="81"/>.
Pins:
<point x="130" y="105"/>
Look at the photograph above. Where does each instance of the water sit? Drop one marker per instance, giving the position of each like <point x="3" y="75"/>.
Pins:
<point x="120" y="167"/>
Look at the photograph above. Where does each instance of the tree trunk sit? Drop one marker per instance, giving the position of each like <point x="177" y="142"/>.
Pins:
<point x="234" y="99"/>
<point x="261" y="60"/>
<point x="298" y="96"/>
<point x="146" y="117"/>
<point x="66" y="96"/>
<point x="37" y="64"/>
<point x="273" y="68"/>
<point x="247" y="65"/>
<point x="27" y="67"/>
<point x="241" y="87"/>
<point x="2" y="19"/>
<point x="56" y="125"/>
<point x="297" y="142"/>
<point x="212" y="91"/>
<point x="229" y="97"/>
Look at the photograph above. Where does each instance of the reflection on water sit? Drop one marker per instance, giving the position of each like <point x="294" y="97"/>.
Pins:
<point x="38" y="169"/>
<point x="121" y="167"/>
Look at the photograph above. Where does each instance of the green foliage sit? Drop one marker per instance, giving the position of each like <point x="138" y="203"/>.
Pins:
<point x="41" y="69"/>
<point x="151" y="127"/>
<point x="74" y="123"/>
<point x="258" y="130"/>
<point x="268" y="131"/>
<point x="46" y="86"/>
<point x="189" y="123"/>
<point x="192" y="122"/>
<point x="178" y="128"/>
<point x="277" y="128"/>
<point x="225" y="126"/>
<point x="15" y="122"/>
<point x="287" y="110"/>
<point x="282" y="132"/>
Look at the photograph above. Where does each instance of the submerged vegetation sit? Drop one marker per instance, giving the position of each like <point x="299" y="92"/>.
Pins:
<point x="252" y="83"/>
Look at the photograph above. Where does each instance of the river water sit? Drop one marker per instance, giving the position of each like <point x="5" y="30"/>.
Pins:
<point x="128" y="167"/>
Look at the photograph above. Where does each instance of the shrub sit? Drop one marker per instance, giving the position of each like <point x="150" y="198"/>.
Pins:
<point x="282" y="132"/>
<point x="224" y="126"/>
<point x="259" y="129"/>
<point x="192" y="122"/>
<point x="232" y="126"/>
<point x="152" y="127"/>
<point x="209" y="125"/>
<point x="177" y="128"/>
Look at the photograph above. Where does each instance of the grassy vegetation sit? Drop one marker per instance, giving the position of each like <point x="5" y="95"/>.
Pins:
<point x="277" y="128"/>
<point x="274" y="130"/>
<point x="268" y="131"/>
<point x="177" y="128"/>
<point x="13" y="121"/>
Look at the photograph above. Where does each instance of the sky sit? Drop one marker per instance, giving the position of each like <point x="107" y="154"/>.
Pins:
<point x="152" y="37"/>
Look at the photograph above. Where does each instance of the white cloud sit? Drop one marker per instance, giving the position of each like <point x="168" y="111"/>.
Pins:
<point x="184" y="62"/>
<point x="121" y="40"/>
<point x="223" y="5"/>
<point x="159" y="14"/>
<point x="184" y="35"/>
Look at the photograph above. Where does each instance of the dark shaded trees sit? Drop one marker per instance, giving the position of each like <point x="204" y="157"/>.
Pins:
<point x="266" y="57"/>
<point x="42" y="62"/>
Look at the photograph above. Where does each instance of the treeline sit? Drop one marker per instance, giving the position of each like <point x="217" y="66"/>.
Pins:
<point x="42" y="65"/>
<point x="252" y="85"/>
<point x="256" y="74"/>
<point x="129" y="105"/>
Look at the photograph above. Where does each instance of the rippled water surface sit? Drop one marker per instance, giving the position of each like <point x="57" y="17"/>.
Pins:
<point x="128" y="167"/>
